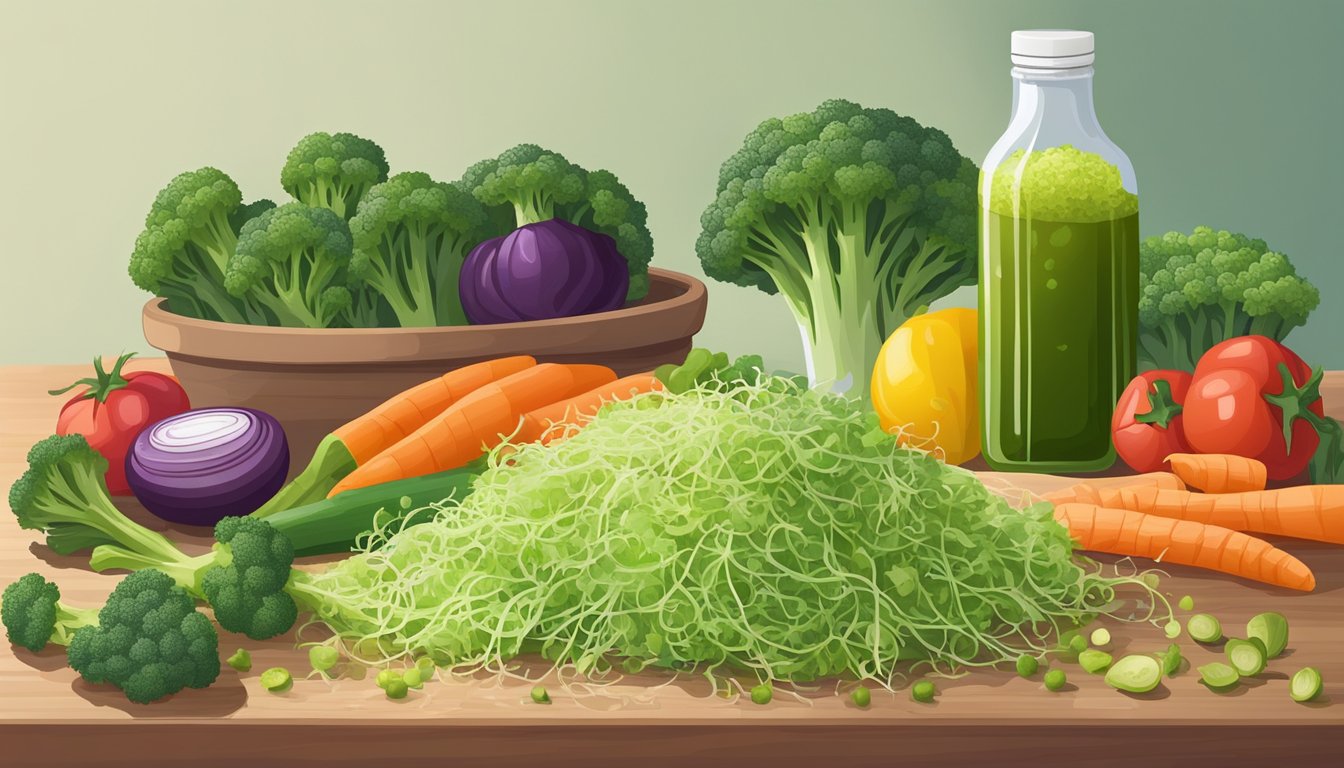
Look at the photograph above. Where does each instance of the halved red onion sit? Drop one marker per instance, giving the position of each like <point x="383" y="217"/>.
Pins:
<point x="207" y="464"/>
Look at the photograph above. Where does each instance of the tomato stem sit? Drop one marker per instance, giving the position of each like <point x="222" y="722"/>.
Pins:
<point x="1295" y="403"/>
<point x="105" y="383"/>
<point x="1161" y="407"/>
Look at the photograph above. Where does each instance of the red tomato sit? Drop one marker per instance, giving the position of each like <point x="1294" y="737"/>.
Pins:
<point x="114" y="407"/>
<point x="1254" y="397"/>
<point x="1147" y="425"/>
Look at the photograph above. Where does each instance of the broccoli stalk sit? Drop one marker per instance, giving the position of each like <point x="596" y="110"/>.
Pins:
<point x="189" y="236"/>
<point x="293" y="260"/>
<point x="148" y="639"/>
<point x="411" y="236"/>
<point x="528" y="184"/>
<point x="857" y="216"/>
<point x="1200" y="289"/>
<point x="333" y="171"/>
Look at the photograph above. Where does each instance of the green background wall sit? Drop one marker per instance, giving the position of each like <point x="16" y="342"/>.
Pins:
<point x="1231" y="112"/>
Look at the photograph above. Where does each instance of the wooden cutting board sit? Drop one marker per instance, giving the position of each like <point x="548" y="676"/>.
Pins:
<point x="49" y="717"/>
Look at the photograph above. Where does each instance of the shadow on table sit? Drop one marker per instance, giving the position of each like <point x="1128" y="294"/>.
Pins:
<point x="48" y="659"/>
<point x="598" y="695"/>
<point x="1243" y="686"/>
<point x="78" y="561"/>
<point x="226" y="696"/>
<point x="1157" y="694"/>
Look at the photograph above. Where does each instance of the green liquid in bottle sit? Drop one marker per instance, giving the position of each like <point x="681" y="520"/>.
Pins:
<point x="1059" y="313"/>
<point x="1061" y="304"/>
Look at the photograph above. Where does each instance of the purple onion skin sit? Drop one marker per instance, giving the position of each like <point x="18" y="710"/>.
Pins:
<point x="202" y="485"/>
<point x="543" y="271"/>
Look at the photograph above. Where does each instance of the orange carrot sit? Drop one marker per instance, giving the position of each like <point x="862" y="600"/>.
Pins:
<point x="552" y="422"/>
<point x="475" y="423"/>
<point x="1086" y="490"/>
<point x="1218" y="472"/>
<point x="371" y="434"/>
<point x="1313" y="512"/>
<point x="359" y="440"/>
<point x="1185" y="542"/>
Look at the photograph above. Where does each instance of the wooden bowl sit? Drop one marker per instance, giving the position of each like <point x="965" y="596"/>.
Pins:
<point x="314" y="380"/>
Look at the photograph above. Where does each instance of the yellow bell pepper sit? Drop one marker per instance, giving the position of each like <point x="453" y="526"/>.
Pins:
<point x="925" y="384"/>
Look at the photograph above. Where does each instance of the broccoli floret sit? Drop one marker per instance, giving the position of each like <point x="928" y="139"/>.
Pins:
<point x="538" y="184"/>
<point x="857" y="216"/>
<point x="411" y="235"/>
<point x="63" y="493"/>
<point x="293" y="261"/>
<point x="246" y="584"/>
<point x="33" y="614"/>
<point x="150" y="641"/>
<point x="1200" y="289"/>
<point x="333" y="171"/>
<point x="184" y="249"/>
<point x="243" y="578"/>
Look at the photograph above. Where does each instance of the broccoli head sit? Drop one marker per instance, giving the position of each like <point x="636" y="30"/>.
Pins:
<point x="202" y="200"/>
<point x="33" y="614"/>
<point x="63" y="494"/>
<point x="149" y="641"/>
<point x="246" y="584"/>
<point x="184" y="249"/>
<point x="293" y="260"/>
<point x="333" y="171"/>
<point x="857" y="216"/>
<point x="1200" y="289"/>
<point x="411" y="236"/>
<point x="538" y="184"/>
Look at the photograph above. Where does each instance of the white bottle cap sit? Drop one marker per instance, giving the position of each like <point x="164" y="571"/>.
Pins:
<point x="1053" y="48"/>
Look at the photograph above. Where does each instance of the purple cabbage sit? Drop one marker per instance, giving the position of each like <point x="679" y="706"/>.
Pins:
<point x="541" y="271"/>
<point x="206" y="464"/>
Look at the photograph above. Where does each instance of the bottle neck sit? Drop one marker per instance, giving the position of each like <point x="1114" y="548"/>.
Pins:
<point x="1056" y="96"/>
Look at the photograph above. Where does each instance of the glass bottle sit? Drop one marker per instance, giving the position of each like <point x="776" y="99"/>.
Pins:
<point x="1059" y="258"/>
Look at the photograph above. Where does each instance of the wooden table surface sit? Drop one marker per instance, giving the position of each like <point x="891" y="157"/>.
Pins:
<point x="48" y="716"/>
